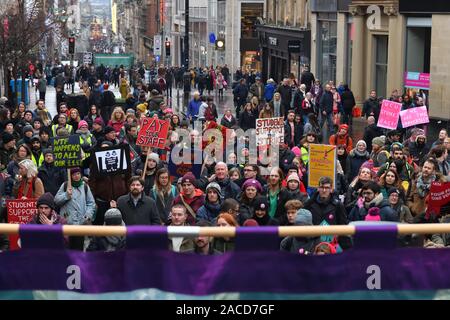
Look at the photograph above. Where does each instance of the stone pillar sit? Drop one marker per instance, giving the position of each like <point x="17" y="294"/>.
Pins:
<point x="396" y="50"/>
<point x="440" y="67"/>
<point x="358" y="57"/>
<point x="313" y="67"/>
<point x="341" y="50"/>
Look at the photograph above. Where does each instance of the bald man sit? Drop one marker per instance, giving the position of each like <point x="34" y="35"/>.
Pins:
<point x="228" y="187"/>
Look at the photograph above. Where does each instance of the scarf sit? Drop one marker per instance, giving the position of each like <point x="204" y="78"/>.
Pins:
<point x="229" y="118"/>
<point x="77" y="184"/>
<point x="424" y="186"/>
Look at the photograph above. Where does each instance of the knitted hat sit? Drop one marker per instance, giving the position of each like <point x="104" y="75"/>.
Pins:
<point x="297" y="151"/>
<point x="373" y="214"/>
<point x="361" y="142"/>
<point x="368" y="164"/>
<point x="293" y="176"/>
<point x="27" y="128"/>
<point x="252" y="183"/>
<point x="250" y="223"/>
<point x="303" y="218"/>
<point x="154" y="156"/>
<point x="261" y="204"/>
<point x="113" y="217"/>
<point x="109" y="129"/>
<point x="393" y="190"/>
<point x="142" y="107"/>
<point x="82" y="123"/>
<point x="215" y="186"/>
<point x="398" y="144"/>
<point x="343" y="126"/>
<point x="99" y="121"/>
<point x="379" y="141"/>
<point x="7" y="138"/>
<point x="188" y="177"/>
<point x="131" y="111"/>
<point x="46" y="199"/>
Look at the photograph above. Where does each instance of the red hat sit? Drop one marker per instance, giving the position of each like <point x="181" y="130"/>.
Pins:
<point x="188" y="177"/>
<point x="99" y="121"/>
<point x="343" y="126"/>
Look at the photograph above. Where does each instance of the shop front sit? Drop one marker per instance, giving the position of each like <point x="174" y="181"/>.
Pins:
<point x="284" y="51"/>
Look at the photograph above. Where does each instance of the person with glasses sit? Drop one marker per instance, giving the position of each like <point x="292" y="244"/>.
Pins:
<point x="373" y="198"/>
<point x="325" y="206"/>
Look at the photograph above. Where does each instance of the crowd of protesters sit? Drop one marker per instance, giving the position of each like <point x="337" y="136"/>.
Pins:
<point x="386" y="176"/>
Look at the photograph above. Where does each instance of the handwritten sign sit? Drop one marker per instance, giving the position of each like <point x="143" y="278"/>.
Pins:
<point x="389" y="114"/>
<point x="67" y="151"/>
<point x="414" y="116"/>
<point x="269" y="131"/>
<point x="322" y="163"/>
<point x="19" y="212"/>
<point x="153" y="133"/>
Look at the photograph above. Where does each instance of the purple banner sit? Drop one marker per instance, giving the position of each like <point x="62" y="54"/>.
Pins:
<point x="371" y="265"/>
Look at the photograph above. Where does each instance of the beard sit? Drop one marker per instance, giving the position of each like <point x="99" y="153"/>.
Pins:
<point x="135" y="192"/>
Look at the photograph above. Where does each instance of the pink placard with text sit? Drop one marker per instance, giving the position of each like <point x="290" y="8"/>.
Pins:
<point x="389" y="114"/>
<point x="414" y="116"/>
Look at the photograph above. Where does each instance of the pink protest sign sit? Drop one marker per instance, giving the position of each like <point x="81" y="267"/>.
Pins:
<point x="389" y="114"/>
<point x="417" y="80"/>
<point x="414" y="116"/>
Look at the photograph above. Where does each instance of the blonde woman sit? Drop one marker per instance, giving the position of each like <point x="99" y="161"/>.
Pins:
<point x="117" y="119"/>
<point x="28" y="185"/>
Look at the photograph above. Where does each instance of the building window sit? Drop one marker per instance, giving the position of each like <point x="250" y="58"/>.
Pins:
<point x="418" y="49"/>
<point x="249" y="13"/>
<point x="381" y="63"/>
<point x="326" y="53"/>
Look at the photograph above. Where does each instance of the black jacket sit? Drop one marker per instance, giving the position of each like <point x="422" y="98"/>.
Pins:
<point x="370" y="132"/>
<point x="331" y="212"/>
<point x="229" y="124"/>
<point x="52" y="177"/>
<point x="286" y="96"/>
<point x="247" y="120"/>
<point x="298" y="133"/>
<point x="144" y="213"/>
<point x="286" y="158"/>
<point x="348" y="101"/>
<point x="371" y="106"/>
<point x="326" y="102"/>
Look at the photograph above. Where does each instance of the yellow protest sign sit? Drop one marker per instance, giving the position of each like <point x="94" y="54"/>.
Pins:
<point x="322" y="163"/>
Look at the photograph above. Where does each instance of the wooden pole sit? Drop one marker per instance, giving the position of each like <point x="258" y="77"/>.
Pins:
<point x="69" y="179"/>
<point x="296" y="231"/>
<point x="145" y="165"/>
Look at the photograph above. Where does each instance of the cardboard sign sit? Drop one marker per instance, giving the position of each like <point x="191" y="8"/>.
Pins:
<point x="113" y="160"/>
<point x="269" y="131"/>
<point x="389" y="114"/>
<point x="439" y="197"/>
<point x="19" y="212"/>
<point x="414" y="116"/>
<point x="322" y="163"/>
<point x="67" y="151"/>
<point x="153" y="133"/>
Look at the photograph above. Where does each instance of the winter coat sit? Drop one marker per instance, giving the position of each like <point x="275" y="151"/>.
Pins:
<point x="418" y="151"/>
<point x="143" y="213"/>
<point x="265" y="221"/>
<point x="298" y="132"/>
<point x="52" y="177"/>
<point x="164" y="205"/>
<point x="415" y="202"/>
<point x="269" y="91"/>
<point x="370" y="132"/>
<point x="286" y="158"/>
<point x="282" y="198"/>
<point x="106" y="244"/>
<point x="209" y="211"/>
<point x="346" y="140"/>
<point x="326" y="102"/>
<point x="371" y="106"/>
<point x="354" y="163"/>
<point x="348" y="101"/>
<point x="229" y="123"/>
<point x="77" y="209"/>
<point x="386" y="212"/>
<point x="247" y="120"/>
<point x="299" y="245"/>
<point x="195" y="203"/>
<point x="286" y="96"/>
<point x="329" y="212"/>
